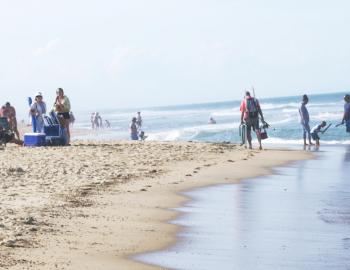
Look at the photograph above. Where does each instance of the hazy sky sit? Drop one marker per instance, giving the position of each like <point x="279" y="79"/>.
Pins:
<point x="135" y="53"/>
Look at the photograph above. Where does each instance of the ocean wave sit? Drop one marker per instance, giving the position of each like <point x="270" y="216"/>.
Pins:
<point x="327" y="116"/>
<point x="195" y="133"/>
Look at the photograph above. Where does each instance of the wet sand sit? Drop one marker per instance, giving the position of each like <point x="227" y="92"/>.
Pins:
<point x="94" y="204"/>
<point x="298" y="218"/>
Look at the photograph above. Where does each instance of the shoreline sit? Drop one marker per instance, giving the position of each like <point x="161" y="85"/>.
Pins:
<point x="269" y="231"/>
<point x="122" y="207"/>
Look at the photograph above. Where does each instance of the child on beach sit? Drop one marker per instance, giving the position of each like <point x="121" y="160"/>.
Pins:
<point x="317" y="129"/>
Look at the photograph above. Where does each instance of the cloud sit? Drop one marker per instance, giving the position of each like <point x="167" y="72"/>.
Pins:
<point x="48" y="47"/>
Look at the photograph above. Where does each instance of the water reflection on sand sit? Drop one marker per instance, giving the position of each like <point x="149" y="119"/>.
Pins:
<point x="299" y="218"/>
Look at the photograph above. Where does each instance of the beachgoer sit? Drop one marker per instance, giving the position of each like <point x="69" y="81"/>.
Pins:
<point x="133" y="130"/>
<point x="346" y="115"/>
<point x="108" y="124"/>
<point x="317" y="129"/>
<point x="100" y="121"/>
<point x="62" y="108"/>
<point x="142" y="136"/>
<point x="8" y="137"/>
<point x="71" y="118"/>
<point x="211" y="121"/>
<point x="92" y="119"/>
<point x="250" y="111"/>
<point x="38" y="109"/>
<point x="3" y="111"/>
<point x="96" y="120"/>
<point x="9" y="112"/>
<point x="139" y="120"/>
<point x="304" y="119"/>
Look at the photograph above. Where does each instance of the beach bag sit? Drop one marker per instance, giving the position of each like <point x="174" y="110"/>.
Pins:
<point x="243" y="134"/>
<point x="263" y="134"/>
<point x="252" y="108"/>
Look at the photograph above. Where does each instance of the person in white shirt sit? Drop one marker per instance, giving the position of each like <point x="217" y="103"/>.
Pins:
<point x="38" y="109"/>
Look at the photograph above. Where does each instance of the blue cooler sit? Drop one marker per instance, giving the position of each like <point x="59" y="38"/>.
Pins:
<point x="34" y="139"/>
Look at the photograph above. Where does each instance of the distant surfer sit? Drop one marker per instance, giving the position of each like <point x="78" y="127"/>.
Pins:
<point x="304" y="119"/>
<point x="211" y="121"/>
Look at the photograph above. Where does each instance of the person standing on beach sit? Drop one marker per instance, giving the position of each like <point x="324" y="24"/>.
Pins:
<point x="139" y="120"/>
<point x="62" y="108"/>
<point x="133" y="130"/>
<point x="304" y="119"/>
<point x="37" y="109"/>
<point x="250" y="111"/>
<point x="346" y="116"/>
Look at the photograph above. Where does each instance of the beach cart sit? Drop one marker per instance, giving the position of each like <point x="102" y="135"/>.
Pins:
<point x="56" y="134"/>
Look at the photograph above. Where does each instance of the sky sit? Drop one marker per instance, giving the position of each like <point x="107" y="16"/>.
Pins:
<point x="120" y="54"/>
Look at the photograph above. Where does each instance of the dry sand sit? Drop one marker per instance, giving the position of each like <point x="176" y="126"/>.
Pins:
<point x="93" y="205"/>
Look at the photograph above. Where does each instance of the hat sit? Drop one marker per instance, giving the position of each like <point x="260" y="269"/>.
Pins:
<point x="305" y="97"/>
<point x="38" y="94"/>
<point x="347" y="97"/>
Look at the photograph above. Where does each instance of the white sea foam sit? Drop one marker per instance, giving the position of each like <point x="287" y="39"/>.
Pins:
<point x="192" y="133"/>
<point x="327" y="116"/>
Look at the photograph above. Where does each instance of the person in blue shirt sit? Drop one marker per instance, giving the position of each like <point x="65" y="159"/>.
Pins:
<point x="304" y="119"/>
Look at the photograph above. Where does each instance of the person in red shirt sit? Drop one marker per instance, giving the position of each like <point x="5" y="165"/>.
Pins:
<point x="250" y="111"/>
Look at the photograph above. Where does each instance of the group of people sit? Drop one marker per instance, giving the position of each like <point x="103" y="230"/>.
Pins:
<point x="97" y="122"/>
<point x="251" y="114"/>
<point x="251" y="110"/>
<point x="61" y="107"/>
<point x="38" y="109"/>
<point x="321" y="127"/>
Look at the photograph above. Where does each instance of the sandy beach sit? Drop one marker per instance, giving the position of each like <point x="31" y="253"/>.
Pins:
<point x="93" y="205"/>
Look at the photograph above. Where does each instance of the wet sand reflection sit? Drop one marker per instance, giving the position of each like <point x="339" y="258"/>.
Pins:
<point x="299" y="218"/>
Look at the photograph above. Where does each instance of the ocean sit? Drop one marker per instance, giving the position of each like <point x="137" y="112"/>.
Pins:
<point x="190" y="122"/>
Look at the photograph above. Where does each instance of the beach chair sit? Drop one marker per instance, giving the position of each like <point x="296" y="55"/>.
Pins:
<point x="6" y="134"/>
<point x="56" y="134"/>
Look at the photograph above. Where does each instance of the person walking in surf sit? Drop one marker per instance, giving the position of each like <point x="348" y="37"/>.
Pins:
<point x="250" y="111"/>
<point x="304" y="119"/>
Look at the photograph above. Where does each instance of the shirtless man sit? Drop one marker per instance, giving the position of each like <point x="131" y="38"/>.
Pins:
<point x="9" y="112"/>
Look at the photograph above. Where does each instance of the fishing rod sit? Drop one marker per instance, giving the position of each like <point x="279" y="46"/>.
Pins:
<point x="326" y="128"/>
<point x="340" y="124"/>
